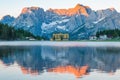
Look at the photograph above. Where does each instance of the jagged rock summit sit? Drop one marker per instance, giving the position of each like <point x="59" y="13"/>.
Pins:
<point x="78" y="9"/>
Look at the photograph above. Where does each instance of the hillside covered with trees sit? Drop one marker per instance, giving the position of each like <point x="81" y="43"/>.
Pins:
<point x="9" y="33"/>
<point x="110" y="33"/>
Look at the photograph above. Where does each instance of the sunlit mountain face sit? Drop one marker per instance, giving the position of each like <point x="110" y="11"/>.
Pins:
<point x="79" y="9"/>
<point x="78" y="61"/>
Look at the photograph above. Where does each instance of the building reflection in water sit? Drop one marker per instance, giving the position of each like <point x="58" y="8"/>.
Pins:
<point x="35" y="59"/>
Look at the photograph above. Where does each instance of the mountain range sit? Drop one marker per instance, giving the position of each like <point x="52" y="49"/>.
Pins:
<point x="80" y="22"/>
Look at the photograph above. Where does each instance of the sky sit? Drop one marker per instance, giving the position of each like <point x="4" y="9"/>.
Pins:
<point x="14" y="7"/>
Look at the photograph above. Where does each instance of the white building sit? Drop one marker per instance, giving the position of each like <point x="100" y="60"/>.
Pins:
<point x="103" y="37"/>
<point x="93" y="38"/>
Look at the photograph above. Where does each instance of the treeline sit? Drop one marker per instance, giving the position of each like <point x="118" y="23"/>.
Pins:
<point x="110" y="33"/>
<point x="9" y="33"/>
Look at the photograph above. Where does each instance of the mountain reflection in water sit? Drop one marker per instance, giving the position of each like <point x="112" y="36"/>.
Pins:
<point x="78" y="72"/>
<point x="78" y="61"/>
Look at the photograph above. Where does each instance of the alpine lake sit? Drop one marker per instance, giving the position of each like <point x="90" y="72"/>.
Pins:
<point x="50" y="60"/>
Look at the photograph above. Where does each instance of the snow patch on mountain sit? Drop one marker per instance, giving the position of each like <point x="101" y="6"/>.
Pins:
<point x="64" y="20"/>
<point x="61" y="27"/>
<point x="56" y="24"/>
<point x="47" y="26"/>
<point x="95" y="22"/>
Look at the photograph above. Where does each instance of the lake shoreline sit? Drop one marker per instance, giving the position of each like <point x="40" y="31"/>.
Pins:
<point x="60" y="43"/>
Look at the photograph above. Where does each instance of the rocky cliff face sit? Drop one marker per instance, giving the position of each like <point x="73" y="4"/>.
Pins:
<point x="30" y="19"/>
<point x="80" y="22"/>
<point x="78" y="9"/>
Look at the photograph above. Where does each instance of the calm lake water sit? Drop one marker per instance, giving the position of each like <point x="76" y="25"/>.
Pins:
<point x="59" y="61"/>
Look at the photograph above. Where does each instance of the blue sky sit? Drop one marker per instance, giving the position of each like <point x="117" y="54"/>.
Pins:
<point x="14" y="7"/>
